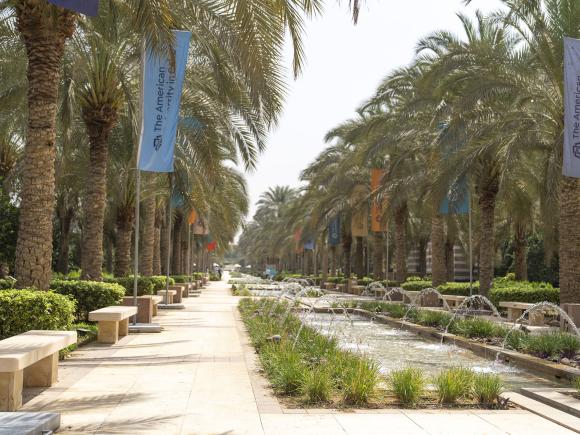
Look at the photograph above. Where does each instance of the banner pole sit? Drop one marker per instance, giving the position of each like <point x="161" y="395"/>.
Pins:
<point x="470" y="253"/>
<point x="189" y="251"/>
<point x="387" y="271"/>
<point x="170" y="210"/>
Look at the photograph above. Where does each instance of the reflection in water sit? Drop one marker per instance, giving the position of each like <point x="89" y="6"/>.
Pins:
<point x="394" y="348"/>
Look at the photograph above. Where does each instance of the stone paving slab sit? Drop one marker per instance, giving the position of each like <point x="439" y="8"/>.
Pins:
<point x="199" y="376"/>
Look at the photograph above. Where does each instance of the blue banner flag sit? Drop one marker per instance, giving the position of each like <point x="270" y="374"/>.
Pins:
<point x="309" y="245"/>
<point x="334" y="232"/>
<point x="86" y="7"/>
<point x="457" y="199"/>
<point x="177" y="200"/>
<point x="161" y="97"/>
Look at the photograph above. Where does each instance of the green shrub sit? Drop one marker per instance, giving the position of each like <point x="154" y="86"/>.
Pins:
<point x="317" y="385"/>
<point x="576" y="384"/>
<point x="553" y="344"/>
<point x="523" y="291"/>
<point x="478" y="328"/>
<point x="359" y="379"/>
<point x="416" y="285"/>
<point x="454" y="384"/>
<point x="487" y="387"/>
<point x="408" y="385"/>
<point x="7" y="283"/>
<point x="24" y="310"/>
<point x="438" y="319"/>
<point x="286" y="369"/>
<point x="159" y="282"/>
<point x="180" y="279"/>
<point x="214" y="277"/>
<point x="145" y="285"/>
<point x="89" y="295"/>
<point x="517" y="340"/>
<point x="457" y="288"/>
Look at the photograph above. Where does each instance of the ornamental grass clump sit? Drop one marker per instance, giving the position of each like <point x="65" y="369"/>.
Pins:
<point x="358" y="380"/>
<point x="408" y="385"/>
<point x="286" y="370"/>
<point x="487" y="387"/>
<point x="454" y="384"/>
<point x="553" y="344"/>
<point x="478" y="328"/>
<point x="438" y="319"/>
<point x="317" y="385"/>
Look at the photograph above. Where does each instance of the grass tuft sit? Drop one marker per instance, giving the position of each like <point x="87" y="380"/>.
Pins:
<point x="408" y="385"/>
<point x="454" y="384"/>
<point x="487" y="387"/>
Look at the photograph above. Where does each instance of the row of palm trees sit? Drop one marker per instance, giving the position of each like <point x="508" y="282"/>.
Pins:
<point x="485" y="106"/>
<point x="69" y="123"/>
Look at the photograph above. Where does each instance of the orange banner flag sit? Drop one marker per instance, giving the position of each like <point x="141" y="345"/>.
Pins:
<point x="192" y="217"/>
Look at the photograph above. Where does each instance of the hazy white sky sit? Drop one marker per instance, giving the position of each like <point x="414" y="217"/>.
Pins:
<point x="344" y="65"/>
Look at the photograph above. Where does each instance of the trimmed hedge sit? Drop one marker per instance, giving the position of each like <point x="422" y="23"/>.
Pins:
<point x="416" y="285"/>
<point x="146" y="285"/>
<point x="24" y="310"/>
<point x="458" y="288"/>
<point x="523" y="291"/>
<point x="89" y="295"/>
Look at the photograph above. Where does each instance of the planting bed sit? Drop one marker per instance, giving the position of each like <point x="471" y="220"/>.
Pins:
<point x="319" y="371"/>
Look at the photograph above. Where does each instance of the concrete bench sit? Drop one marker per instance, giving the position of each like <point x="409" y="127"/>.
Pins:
<point x="454" y="301"/>
<point x="29" y="360"/>
<point x="156" y="300"/>
<point x="358" y="290"/>
<point x="179" y="292"/>
<point x="329" y="286"/>
<point x="169" y="294"/>
<point x="113" y="322"/>
<point x="341" y="288"/>
<point x="516" y="309"/>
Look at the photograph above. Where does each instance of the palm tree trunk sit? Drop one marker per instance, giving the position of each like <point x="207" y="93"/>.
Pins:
<point x="333" y="260"/>
<point x="148" y="240"/>
<point x="423" y="256"/>
<point x="94" y="205"/>
<point x="401" y="242"/>
<point x="569" y="240"/>
<point x="157" y="243"/>
<point x="324" y="265"/>
<point x="176" y="256"/>
<point x="44" y="38"/>
<point x="378" y="250"/>
<point x="438" y="266"/>
<point x="346" y="246"/>
<point x="109" y="254"/>
<point x="520" y="250"/>
<point x="164" y="244"/>
<point x="66" y="218"/>
<point x="450" y="250"/>
<point x="359" y="266"/>
<point x="487" y="238"/>
<point x="123" y="247"/>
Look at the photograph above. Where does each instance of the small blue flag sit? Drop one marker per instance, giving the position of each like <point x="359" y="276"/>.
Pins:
<point x="161" y="97"/>
<point x="457" y="199"/>
<point x="85" y="7"/>
<point x="177" y="200"/>
<point x="334" y="232"/>
<point x="309" y="245"/>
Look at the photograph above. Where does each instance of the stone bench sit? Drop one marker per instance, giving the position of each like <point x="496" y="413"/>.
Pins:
<point x="29" y="360"/>
<point x="329" y="286"/>
<point x="516" y="309"/>
<point x="454" y="301"/>
<point x="169" y="294"/>
<point x="156" y="300"/>
<point x="341" y="288"/>
<point x="358" y="290"/>
<point x="113" y="322"/>
<point x="179" y="290"/>
<point x="146" y="307"/>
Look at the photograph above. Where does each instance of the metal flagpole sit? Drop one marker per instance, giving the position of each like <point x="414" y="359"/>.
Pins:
<point x="189" y="251"/>
<point x="170" y="210"/>
<point x="470" y="253"/>
<point x="138" y="187"/>
<point x="387" y="256"/>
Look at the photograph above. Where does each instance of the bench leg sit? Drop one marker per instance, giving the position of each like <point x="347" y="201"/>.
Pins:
<point x="123" y="328"/>
<point x="43" y="373"/>
<point x="108" y="332"/>
<point x="536" y="319"/>
<point x="514" y="314"/>
<point x="11" y="391"/>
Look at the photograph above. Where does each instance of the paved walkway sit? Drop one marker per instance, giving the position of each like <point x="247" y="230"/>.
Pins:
<point x="198" y="377"/>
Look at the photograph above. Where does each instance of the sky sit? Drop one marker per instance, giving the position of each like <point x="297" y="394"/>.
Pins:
<point x="344" y="64"/>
